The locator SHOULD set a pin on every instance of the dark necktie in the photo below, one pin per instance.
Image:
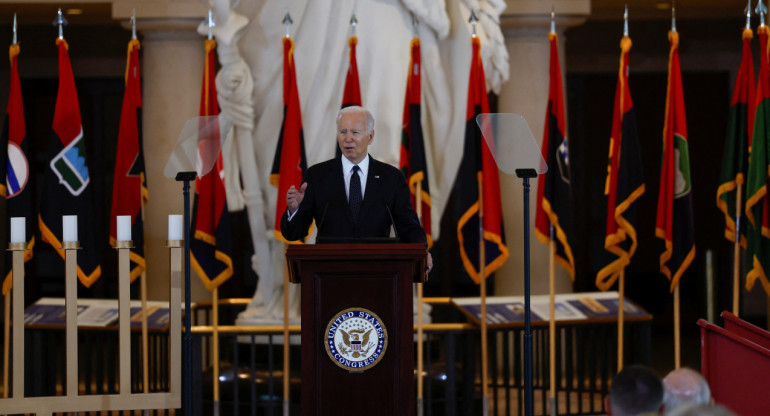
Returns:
(355, 194)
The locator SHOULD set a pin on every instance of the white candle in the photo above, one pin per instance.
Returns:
(69, 228)
(175, 227)
(124, 227)
(18, 230)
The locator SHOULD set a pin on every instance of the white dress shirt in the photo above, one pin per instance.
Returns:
(347, 171)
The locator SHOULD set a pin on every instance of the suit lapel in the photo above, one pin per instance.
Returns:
(373, 183)
(340, 193)
(339, 182)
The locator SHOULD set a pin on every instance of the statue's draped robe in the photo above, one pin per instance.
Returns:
(320, 32)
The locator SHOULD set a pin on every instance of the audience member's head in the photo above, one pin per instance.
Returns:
(693, 409)
(635, 390)
(685, 385)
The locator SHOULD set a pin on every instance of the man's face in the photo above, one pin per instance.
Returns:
(352, 137)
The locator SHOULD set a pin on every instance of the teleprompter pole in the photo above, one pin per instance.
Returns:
(525, 174)
(186, 177)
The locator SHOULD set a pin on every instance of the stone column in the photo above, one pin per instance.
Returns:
(172, 57)
(526, 24)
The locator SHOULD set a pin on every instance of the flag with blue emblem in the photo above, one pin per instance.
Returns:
(14, 166)
(67, 187)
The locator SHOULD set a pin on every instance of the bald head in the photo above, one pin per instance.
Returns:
(685, 385)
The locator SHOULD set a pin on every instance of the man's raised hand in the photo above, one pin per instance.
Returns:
(294, 197)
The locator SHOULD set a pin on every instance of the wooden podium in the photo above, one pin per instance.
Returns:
(357, 314)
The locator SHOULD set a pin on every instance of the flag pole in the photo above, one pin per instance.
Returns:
(142, 278)
(552, 321)
(420, 341)
(143, 296)
(621, 296)
(420, 346)
(214, 292)
(287, 22)
(285, 338)
(737, 251)
(215, 346)
(484, 341)
(677, 335)
(482, 277)
(6, 344)
(677, 329)
(552, 289)
(7, 310)
(622, 284)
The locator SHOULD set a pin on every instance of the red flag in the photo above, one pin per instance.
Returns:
(553, 188)
(478, 183)
(14, 167)
(352, 94)
(675, 219)
(289, 163)
(129, 189)
(413, 163)
(211, 245)
(67, 188)
(625, 180)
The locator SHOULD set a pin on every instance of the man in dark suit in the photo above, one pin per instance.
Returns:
(353, 196)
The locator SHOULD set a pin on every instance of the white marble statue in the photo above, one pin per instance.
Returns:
(248, 35)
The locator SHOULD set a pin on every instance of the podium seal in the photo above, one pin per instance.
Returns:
(356, 339)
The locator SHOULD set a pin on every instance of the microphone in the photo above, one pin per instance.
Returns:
(393, 223)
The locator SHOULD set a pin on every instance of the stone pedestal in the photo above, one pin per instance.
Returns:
(172, 70)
